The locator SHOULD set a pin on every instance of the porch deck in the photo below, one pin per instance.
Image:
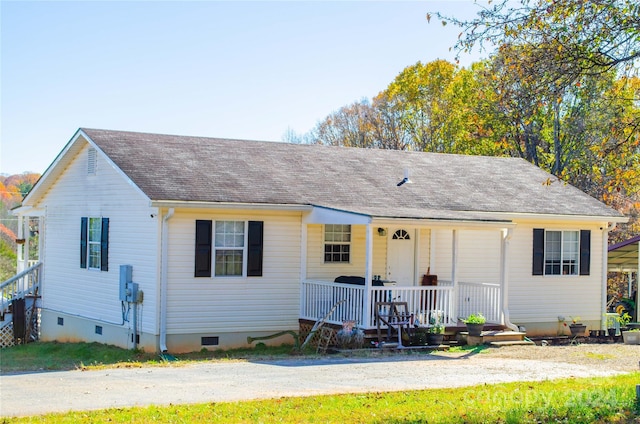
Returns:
(448, 301)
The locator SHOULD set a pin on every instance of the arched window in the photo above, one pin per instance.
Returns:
(401, 235)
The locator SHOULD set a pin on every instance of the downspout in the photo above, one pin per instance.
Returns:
(454, 273)
(504, 278)
(164, 269)
(605, 270)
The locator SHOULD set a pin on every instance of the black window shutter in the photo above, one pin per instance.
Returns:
(104, 245)
(84, 223)
(585, 252)
(538, 251)
(254, 252)
(203, 248)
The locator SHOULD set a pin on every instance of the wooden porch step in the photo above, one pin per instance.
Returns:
(513, 343)
(493, 336)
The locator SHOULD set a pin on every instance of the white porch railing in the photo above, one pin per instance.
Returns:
(23, 284)
(421, 301)
(479, 297)
(318, 297)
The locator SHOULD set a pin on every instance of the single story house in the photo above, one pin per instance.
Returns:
(175, 243)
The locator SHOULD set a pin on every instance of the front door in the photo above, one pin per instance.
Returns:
(400, 257)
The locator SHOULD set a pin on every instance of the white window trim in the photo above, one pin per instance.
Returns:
(90, 243)
(244, 249)
(325, 242)
(577, 264)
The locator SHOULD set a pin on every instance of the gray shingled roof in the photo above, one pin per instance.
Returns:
(183, 168)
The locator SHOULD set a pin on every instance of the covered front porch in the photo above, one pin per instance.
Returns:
(358, 303)
(396, 260)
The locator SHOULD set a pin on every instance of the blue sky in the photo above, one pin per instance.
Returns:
(246, 70)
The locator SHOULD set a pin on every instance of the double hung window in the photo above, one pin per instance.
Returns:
(557, 252)
(337, 243)
(561, 252)
(94, 243)
(234, 248)
(229, 247)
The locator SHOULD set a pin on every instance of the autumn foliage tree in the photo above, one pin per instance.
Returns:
(565, 40)
(12, 189)
(580, 60)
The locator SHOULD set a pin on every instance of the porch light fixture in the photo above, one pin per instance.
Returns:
(382, 232)
(406, 179)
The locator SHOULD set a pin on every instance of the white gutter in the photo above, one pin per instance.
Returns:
(605, 270)
(164, 269)
(228, 205)
(441, 223)
(553, 217)
(504, 277)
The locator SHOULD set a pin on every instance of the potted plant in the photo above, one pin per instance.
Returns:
(624, 320)
(577, 328)
(475, 324)
(631, 336)
(435, 335)
(611, 325)
(419, 336)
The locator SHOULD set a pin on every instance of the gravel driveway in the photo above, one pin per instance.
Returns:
(39, 393)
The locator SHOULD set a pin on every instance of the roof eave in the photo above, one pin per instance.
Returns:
(57, 167)
(188, 204)
(43, 181)
(557, 217)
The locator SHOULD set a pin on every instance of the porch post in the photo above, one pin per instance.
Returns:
(41, 232)
(454, 273)
(604, 276)
(20, 265)
(637, 299)
(368, 274)
(303, 267)
(26, 234)
(630, 284)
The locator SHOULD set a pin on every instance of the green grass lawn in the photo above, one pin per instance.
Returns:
(53, 356)
(590, 400)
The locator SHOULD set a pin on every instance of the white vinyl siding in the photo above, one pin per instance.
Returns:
(240, 304)
(535, 299)
(424, 253)
(317, 269)
(478, 255)
(132, 240)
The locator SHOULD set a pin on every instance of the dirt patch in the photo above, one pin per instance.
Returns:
(618, 357)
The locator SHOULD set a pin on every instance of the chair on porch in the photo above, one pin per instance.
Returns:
(396, 316)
